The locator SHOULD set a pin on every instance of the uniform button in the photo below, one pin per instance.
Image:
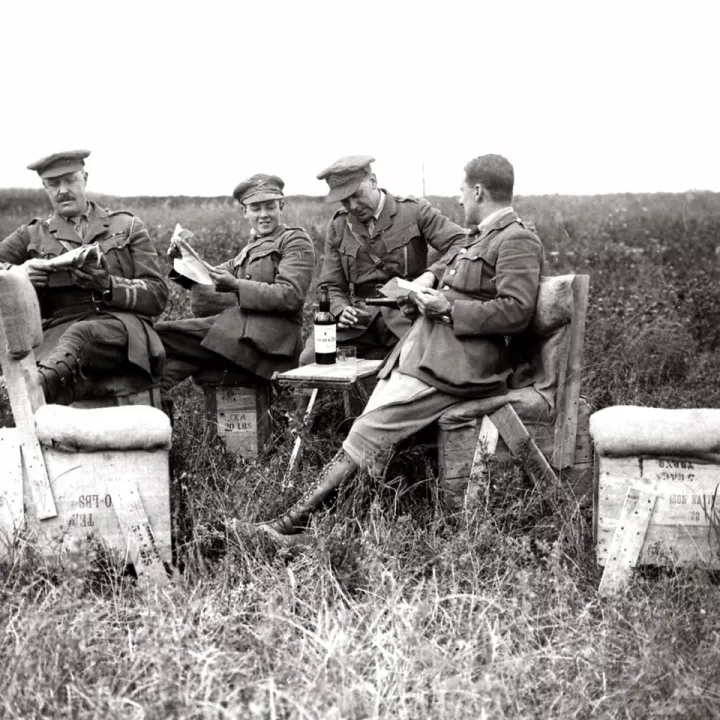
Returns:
(463, 250)
(248, 276)
(452, 272)
(447, 287)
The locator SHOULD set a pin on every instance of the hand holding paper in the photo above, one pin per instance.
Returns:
(186, 261)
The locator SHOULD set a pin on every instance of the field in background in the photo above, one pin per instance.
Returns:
(400, 611)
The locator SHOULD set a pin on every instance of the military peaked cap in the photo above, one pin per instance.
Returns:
(259, 188)
(345, 175)
(59, 163)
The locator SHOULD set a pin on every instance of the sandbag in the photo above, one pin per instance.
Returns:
(628, 430)
(130, 427)
(19, 313)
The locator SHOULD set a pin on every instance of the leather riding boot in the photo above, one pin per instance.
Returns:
(334, 474)
(59, 379)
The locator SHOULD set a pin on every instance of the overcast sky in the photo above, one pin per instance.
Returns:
(190, 98)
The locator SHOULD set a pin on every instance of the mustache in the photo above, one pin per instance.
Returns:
(64, 198)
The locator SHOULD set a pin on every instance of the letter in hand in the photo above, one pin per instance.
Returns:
(224, 280)
(92, 276)
(38, 270)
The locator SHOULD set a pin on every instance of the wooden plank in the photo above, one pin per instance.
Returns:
(487, 443)
(307, 419)
(685, 525)
(143, 397)
(26, 397)
(85, 487)
(458, 445)
(239, 416)
(142, 547)
(315, 375)
(568, 395)
(521, 445)
(629, 536)
(12, 514)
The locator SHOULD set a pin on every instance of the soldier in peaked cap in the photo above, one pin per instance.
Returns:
(374, 237)
(456, 349)
(97, 320)
(252, 317)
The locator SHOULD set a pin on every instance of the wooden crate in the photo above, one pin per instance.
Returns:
(684, 522)
(456, 449)
(239, 416)
(96, 496)
(150, 397)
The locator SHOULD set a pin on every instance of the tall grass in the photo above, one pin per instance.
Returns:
(398, 608)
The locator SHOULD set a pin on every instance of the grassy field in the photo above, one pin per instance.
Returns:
(397, 610)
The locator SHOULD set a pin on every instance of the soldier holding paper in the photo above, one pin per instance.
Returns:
(456, 348)
(256, 326)
(375, 236)
(98, 281)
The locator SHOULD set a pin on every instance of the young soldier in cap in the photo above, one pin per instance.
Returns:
(97, 319)
(374, 237)
(456, 348)
(266, 285)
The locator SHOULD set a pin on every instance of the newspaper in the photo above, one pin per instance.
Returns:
(186, 261)
(83, 256)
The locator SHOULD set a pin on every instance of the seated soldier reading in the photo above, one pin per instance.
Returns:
(260, 329)
(98, 280)
(456, 348)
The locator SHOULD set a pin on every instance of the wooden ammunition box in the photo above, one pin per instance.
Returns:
(456, 449)
(97, 496)
(677, 518)
(239, 416)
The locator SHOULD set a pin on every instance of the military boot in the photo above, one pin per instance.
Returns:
(332, 476)
(59, 379)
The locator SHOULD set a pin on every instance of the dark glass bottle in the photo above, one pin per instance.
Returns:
(325, 331)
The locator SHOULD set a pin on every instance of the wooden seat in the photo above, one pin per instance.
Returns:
(120, 390)
(544, 424)
(237, 410)
(76, 476)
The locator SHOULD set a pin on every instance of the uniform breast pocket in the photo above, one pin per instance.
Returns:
(263, 266)
(116, 250)
(476, 272)
(406, 251)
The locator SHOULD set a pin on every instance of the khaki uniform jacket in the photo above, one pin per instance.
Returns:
(262, 331)
(400, 240)
(139, 291)
(493, 282)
